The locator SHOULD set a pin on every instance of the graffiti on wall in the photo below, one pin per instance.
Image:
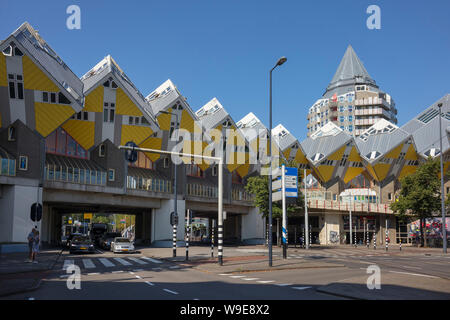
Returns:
(432, 227)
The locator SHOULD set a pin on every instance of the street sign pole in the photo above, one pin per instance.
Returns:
(283, 199)
(306, 214)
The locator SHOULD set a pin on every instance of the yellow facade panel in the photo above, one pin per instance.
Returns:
(152, 143)
(35, 79)
(300, 158)
(187, 122)
(381, 169)
(354, 156)
(326, 172)
(406, 171)
(352, 173)
(394, 153)
(50, 116)
(164, 120)
(82, 131)
(337, 156)
(372, 172)
(94, 100)
(411, 154)
(3, 76)
(134, 133)
(243, 170)
(125, 106)
(287, 153)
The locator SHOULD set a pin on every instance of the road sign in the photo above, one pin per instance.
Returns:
(290, 184)
(276, 196)
(88, 216)
(36, 212)
(173, 218)
(131, 155)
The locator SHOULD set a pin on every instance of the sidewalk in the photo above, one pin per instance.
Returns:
(18, 275)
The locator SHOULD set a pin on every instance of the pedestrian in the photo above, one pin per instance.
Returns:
(36, 242)
(30, 239)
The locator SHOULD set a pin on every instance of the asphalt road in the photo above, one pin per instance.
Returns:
(105, 275)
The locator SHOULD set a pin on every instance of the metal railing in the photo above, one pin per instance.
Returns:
(200, 190)
(149, 184)
(356, 207)
(239, 194)
(8, 167)
(55, 172)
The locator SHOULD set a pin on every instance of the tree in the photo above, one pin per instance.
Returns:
(259, 187)
(420, 195)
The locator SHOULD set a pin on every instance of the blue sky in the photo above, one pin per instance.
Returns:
(225, 49)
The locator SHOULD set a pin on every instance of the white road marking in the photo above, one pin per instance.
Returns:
(409, 267)
(266, 281)
(123, 261)
(283, 284)
(250, 279)
(93, 273)
(235, 277)
(149, 283)
(67, 263)
(138, 277)
(174, 267)
(414, 274)
(301, 288)
(131, 272)
(137, 260)
(224, 274)
(151, 259)
(64, 276)
(120, 271)
(88, 264)
(170, 291)
(106, 262)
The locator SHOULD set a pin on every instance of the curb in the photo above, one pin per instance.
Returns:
(38, 282)
(278, 269)
(339, 295)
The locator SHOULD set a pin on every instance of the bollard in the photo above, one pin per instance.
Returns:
(174, 241)
(303, 241)
(310, 238)
(386, 241)
(187, 241)
(400, 244)
(367, 239)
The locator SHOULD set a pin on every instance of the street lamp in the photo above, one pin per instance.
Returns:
(279, 63)
(174, 226)
(444, 230)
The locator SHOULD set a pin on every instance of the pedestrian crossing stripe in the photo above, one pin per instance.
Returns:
(109, 262)
(88, 264)
(122, 261)
(137, 260)
(106, 262)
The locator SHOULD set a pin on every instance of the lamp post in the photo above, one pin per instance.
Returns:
(175, 207)
(279, 63)
(444, 229)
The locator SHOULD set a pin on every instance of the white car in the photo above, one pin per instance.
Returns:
(122, 245)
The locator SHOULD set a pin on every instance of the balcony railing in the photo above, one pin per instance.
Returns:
(239, 194)
(200, 190)
(8, 167)
(371, 101)
(55, 172)
(149, 184)
(374, 111)
(345, 206)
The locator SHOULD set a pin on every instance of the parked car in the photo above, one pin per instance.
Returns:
(81, 244)
(107, 238)
(122, 245)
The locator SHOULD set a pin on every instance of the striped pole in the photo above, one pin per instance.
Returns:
(367, 235)
(400, 244)
(386, 240)
(212, 238)
(310, 240)
(374, 241)
(220, 214)
(355, 236)
(303, 241)
(188, 231)
(174, 240)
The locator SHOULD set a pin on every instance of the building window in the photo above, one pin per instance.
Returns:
(214, 171)
(194, 171)
(11, 134)
(23, 163)
(389, 196)
(142, 161)
(108, 112)
(102, 151)
(342, 118)
(59, 142)
(350, 128)
(15, 86)
(236, 178)
(166, 163)
(111, 175)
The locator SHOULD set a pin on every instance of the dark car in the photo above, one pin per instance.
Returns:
(107, 238)
(70, 237)
(81, 244)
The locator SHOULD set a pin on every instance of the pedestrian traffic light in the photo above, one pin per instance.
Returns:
(131, 155)
(173, 218)
(36, 212)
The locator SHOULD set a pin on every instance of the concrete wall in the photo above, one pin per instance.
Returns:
(15, 222)
(253, 227)
(330, 223)
(161, 227)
